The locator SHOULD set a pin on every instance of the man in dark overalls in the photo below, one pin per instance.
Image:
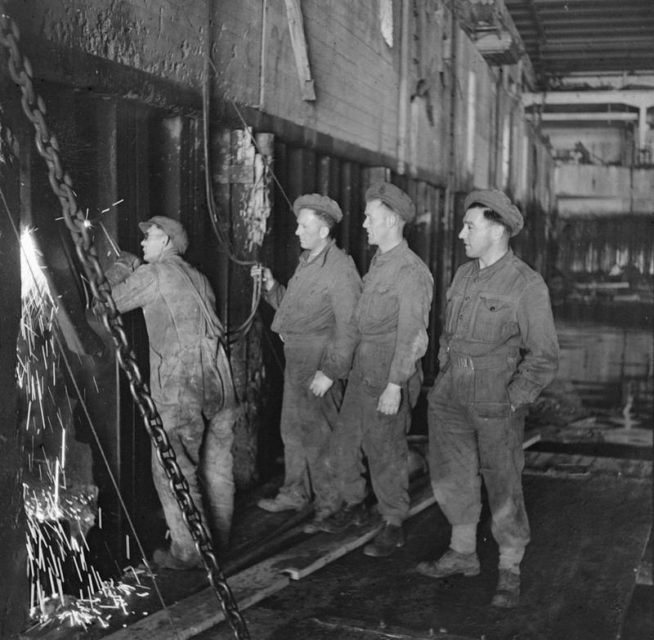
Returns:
(190, 382)
(497, 352)
(314, 318)
(383, 386)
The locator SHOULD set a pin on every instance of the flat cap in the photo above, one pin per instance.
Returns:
(394, 198)
(499, 202)
(317, 202)
(172, 228)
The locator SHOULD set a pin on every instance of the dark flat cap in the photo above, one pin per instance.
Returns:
(172, 228)
(394, 198)
(499, 202)
(316, 202)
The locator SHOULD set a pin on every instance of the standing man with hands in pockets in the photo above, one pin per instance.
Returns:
(497, 352)
(314, 319)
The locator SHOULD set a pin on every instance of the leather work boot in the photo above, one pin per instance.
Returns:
(164, 559)
(281, 502)
(449, 564)
(317, 523)
(507, 594)
(346, 516)
(389, 538)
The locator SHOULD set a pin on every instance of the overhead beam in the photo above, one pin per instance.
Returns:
(603, 116)
(601, 45)
(588, 67)
(591, 26)
(644, 59)
(633, 97)
(575, 5)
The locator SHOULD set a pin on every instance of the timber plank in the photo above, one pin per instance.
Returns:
(324, 548)
(565, 465)
(201, 611)
(577, 575)
(264, 622)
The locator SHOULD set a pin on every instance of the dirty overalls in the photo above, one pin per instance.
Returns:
(314, 318)
(187, 389)
(498, 351)
(392, 317)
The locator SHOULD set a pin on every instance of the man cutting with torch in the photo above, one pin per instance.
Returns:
(189, 381)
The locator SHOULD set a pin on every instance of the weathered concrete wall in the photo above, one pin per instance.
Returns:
(586, 189)
(164, 38)
(387, 96)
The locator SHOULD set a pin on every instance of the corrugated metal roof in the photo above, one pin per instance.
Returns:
(564, 37)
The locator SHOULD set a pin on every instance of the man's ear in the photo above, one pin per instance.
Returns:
(498, 230)
(324, 231)
(393, 220)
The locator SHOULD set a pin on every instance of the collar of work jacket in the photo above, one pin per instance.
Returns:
(488, 272)
(320, 259)
(381, 258)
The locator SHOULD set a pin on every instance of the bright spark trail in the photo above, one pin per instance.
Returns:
(65, 588)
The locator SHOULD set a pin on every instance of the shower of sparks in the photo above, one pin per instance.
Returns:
(65, 588)
(33, 283)
(52, 548)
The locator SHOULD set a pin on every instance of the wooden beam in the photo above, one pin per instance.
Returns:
(565, 465)
(299, 44)
(633, 97)
(590, 116)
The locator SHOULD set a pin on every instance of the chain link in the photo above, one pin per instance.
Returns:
(33, 105)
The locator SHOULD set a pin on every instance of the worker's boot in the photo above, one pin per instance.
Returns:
(317, 523)
(507, 594)
(389, 538)
(282, 502)
(449, 564)
(348, 515)
(164, 559)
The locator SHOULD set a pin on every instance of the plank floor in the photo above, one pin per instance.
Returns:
(590, 521)
(588, 536)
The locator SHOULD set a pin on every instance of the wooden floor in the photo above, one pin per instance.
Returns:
(588, 536)
(590, 518)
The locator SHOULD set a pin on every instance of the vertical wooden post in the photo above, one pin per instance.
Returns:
(403, 90)
(244, 195)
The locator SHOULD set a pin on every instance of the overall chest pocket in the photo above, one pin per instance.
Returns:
(380, 306)
(494, 319)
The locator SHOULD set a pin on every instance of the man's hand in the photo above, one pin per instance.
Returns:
(389, 401)
(259, 271)
(126, 263)
(129, 260)
(320, 384)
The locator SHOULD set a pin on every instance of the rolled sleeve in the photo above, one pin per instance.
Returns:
(275, 296)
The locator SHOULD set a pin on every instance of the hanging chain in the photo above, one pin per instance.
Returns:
(33, 105)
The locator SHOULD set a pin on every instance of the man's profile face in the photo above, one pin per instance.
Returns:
(154, 243)
(478, 233)
(310, 230)
(375, 222)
